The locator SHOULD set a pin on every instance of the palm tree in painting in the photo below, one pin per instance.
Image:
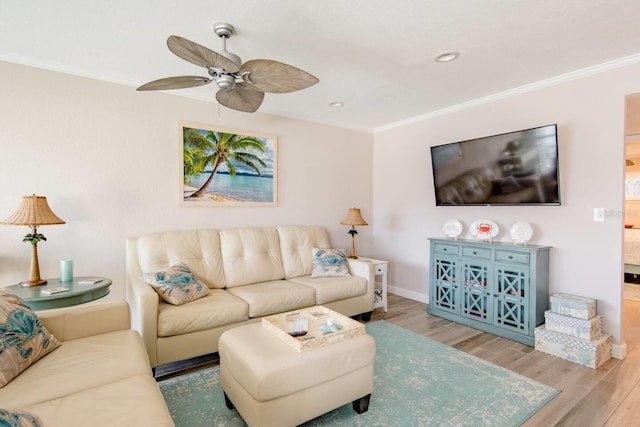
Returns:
(230, 149)
(193, 150)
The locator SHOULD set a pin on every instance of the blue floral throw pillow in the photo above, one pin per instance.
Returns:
(329, 263)
(176, 285)
(23, 337)
(18, 419)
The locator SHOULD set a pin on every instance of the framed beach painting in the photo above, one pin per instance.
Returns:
(227, 167)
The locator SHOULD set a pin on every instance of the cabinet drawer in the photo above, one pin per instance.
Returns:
(476, 252)
(509, 256)
(443, 248)
(381, 268)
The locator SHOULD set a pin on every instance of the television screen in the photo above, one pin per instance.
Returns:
(516, 168)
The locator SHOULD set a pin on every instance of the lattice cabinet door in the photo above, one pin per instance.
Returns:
(444, 292)
(511, 298)
(476, 291)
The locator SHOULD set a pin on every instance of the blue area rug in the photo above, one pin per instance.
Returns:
(418, 382)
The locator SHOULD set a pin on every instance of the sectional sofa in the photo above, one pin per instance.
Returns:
(249, 272)
(99, 375)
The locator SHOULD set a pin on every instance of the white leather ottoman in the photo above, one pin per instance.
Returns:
(272, 384)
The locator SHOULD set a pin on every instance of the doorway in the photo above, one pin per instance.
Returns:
(632, 199)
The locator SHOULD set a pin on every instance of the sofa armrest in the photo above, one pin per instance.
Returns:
(364, 269)
(143, 303)
(72, 323)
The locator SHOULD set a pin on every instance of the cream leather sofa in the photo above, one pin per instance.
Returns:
(99, 376)
(251, 273)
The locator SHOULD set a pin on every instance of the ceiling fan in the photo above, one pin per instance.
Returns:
(241, 85)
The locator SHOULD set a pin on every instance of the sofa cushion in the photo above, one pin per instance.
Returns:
(199, 250)
(176, 285)
(275, 296)
(118, 355)
(250, 255)
(329, 263)
(18, 419)
(133, 401)
(331, 289)
(23, 337)
(220, 308)
(296, 243)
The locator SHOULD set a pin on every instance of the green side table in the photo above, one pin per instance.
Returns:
(78, 293)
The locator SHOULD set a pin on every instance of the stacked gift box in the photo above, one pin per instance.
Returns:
(573, 331)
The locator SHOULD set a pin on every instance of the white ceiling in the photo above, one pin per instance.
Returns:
(375, 55)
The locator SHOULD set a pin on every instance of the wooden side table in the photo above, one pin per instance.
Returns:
(380, 270)
(78, 293)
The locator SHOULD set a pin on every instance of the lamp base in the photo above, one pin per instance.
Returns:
(352, 257)
(30, 283)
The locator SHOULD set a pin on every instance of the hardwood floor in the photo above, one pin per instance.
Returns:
(608, 396)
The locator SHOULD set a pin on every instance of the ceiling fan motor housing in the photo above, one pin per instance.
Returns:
(226, 81)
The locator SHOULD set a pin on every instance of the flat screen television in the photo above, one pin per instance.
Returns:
(510, 169)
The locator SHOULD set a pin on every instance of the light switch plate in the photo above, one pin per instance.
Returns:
(598, 214)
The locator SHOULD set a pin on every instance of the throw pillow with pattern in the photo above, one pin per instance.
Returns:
(329, 263)
(19, 419)
(23, 337)
(176, 284)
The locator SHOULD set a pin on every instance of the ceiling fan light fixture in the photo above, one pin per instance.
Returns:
(336, 104)
(447, 56)
(226, 81)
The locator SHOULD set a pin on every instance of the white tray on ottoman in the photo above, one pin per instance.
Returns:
(270, 382)
(317, 334)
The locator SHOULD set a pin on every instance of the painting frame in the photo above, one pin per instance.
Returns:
(246, 168)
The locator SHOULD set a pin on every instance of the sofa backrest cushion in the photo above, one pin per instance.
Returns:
(296, 243)
(250, 255)
(199, 250)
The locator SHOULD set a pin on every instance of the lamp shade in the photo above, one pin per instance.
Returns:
(33, 210)
(354, 218)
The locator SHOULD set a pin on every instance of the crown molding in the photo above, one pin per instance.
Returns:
(563, 78)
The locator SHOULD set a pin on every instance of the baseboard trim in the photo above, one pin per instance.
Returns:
(619, 351)
(416, 296)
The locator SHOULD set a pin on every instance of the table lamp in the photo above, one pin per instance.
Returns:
(32, 212)
(353, 218)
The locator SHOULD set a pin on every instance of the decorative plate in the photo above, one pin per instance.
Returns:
(521, 232)
(452, 228)
(484, 229)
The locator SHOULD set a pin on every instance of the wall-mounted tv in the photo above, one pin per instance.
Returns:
(515, 168)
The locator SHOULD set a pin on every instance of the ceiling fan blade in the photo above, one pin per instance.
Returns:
(200, 55)
(242, 98)
(276, 77)
(181, 82)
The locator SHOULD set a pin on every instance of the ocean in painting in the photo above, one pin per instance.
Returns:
(248, 188)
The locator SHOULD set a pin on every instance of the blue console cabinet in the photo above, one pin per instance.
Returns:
(500, 288)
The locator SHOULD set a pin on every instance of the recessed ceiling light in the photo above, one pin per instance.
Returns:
(336, 104)
(446, 56)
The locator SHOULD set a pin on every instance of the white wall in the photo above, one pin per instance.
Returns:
(106, 158)
(586, 258)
